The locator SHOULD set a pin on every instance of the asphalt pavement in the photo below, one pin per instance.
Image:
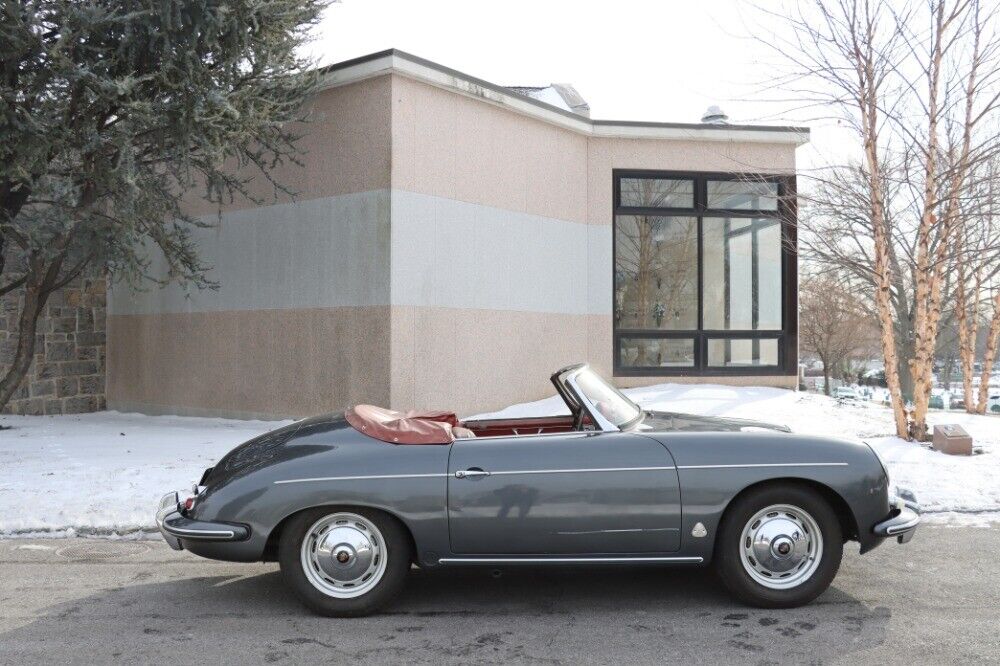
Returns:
(932, 601)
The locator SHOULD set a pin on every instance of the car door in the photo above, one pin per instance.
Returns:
(579, 493)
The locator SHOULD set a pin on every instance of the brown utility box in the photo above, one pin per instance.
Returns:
(952, 439)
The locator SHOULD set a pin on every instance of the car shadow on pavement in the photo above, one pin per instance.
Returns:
(591, 615)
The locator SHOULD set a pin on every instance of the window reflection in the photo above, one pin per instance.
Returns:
(656, 272)
(657, 193)
(653, 353)
(742, 274)
(742, 195)
(732, 353)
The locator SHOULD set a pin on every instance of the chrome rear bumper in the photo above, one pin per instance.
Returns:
(902, 523)
(174, 525)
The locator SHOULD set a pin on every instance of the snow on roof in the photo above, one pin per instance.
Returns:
(560, 95)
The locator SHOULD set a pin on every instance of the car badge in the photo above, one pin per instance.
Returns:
(699, 530)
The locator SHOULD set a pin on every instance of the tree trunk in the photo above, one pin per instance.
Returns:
(12, 199)
(919, 362)
(883, 273)
(34, 301)
(947, 371)
(882, 297)
(968, 331)
(962, 323)
(904, 345)
(989, 357)
(40, 281)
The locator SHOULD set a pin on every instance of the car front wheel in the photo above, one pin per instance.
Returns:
(344, 563)
(778, 547)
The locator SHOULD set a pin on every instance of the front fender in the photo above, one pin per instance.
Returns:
(714, 468)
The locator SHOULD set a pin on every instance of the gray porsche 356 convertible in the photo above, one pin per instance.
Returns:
(346, 503)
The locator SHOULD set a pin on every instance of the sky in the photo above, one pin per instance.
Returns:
(664, 60)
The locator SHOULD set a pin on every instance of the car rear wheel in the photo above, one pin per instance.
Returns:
(344, 562)
(778, 547)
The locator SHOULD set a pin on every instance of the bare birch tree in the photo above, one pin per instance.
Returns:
(976, 267)
(916, 82)
(834, 325)
(979, 248)
(990, 354)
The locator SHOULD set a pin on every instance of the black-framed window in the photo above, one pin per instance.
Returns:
(704, 274)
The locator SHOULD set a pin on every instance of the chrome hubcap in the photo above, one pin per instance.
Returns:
(343, 555)
(781, 546)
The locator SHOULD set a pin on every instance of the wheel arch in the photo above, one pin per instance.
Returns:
(845, 516)
(274, 536)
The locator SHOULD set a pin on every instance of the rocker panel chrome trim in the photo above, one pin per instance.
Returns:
(563, 560)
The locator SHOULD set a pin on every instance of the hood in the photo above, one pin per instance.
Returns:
(676, 422)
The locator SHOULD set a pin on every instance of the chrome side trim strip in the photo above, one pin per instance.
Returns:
(512, 472)
(363, 478)
(501, 473)
(570, 471)
(562, 560)
(814, 464)
(631, 529)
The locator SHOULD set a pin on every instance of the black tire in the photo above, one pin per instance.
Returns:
(730, 539)
(397, 552)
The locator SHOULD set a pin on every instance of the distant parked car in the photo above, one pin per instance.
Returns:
(936, 402)
(993, 403)
(845, 393)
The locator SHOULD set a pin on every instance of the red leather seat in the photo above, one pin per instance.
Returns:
(413, 427)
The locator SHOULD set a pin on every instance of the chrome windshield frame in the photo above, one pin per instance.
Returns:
(569, 376)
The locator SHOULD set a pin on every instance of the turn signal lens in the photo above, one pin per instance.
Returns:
(189, 503)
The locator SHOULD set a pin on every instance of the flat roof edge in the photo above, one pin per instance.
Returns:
(401, 62)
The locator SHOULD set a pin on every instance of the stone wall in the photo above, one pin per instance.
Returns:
(67, 375)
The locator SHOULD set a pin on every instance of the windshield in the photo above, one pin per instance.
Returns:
(608, 400)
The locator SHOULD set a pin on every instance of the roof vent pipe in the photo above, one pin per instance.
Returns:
(714, 116)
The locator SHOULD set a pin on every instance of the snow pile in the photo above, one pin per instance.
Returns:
(104, 472)
(967, 488)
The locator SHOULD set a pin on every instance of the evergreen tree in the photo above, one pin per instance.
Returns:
(113, 111)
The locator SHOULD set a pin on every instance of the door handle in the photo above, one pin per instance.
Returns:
(471, 473)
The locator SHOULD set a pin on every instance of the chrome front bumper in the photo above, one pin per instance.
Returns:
(903, 522)
(174, 525)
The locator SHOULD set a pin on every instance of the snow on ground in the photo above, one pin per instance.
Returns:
(964, 490)
(103, 473)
